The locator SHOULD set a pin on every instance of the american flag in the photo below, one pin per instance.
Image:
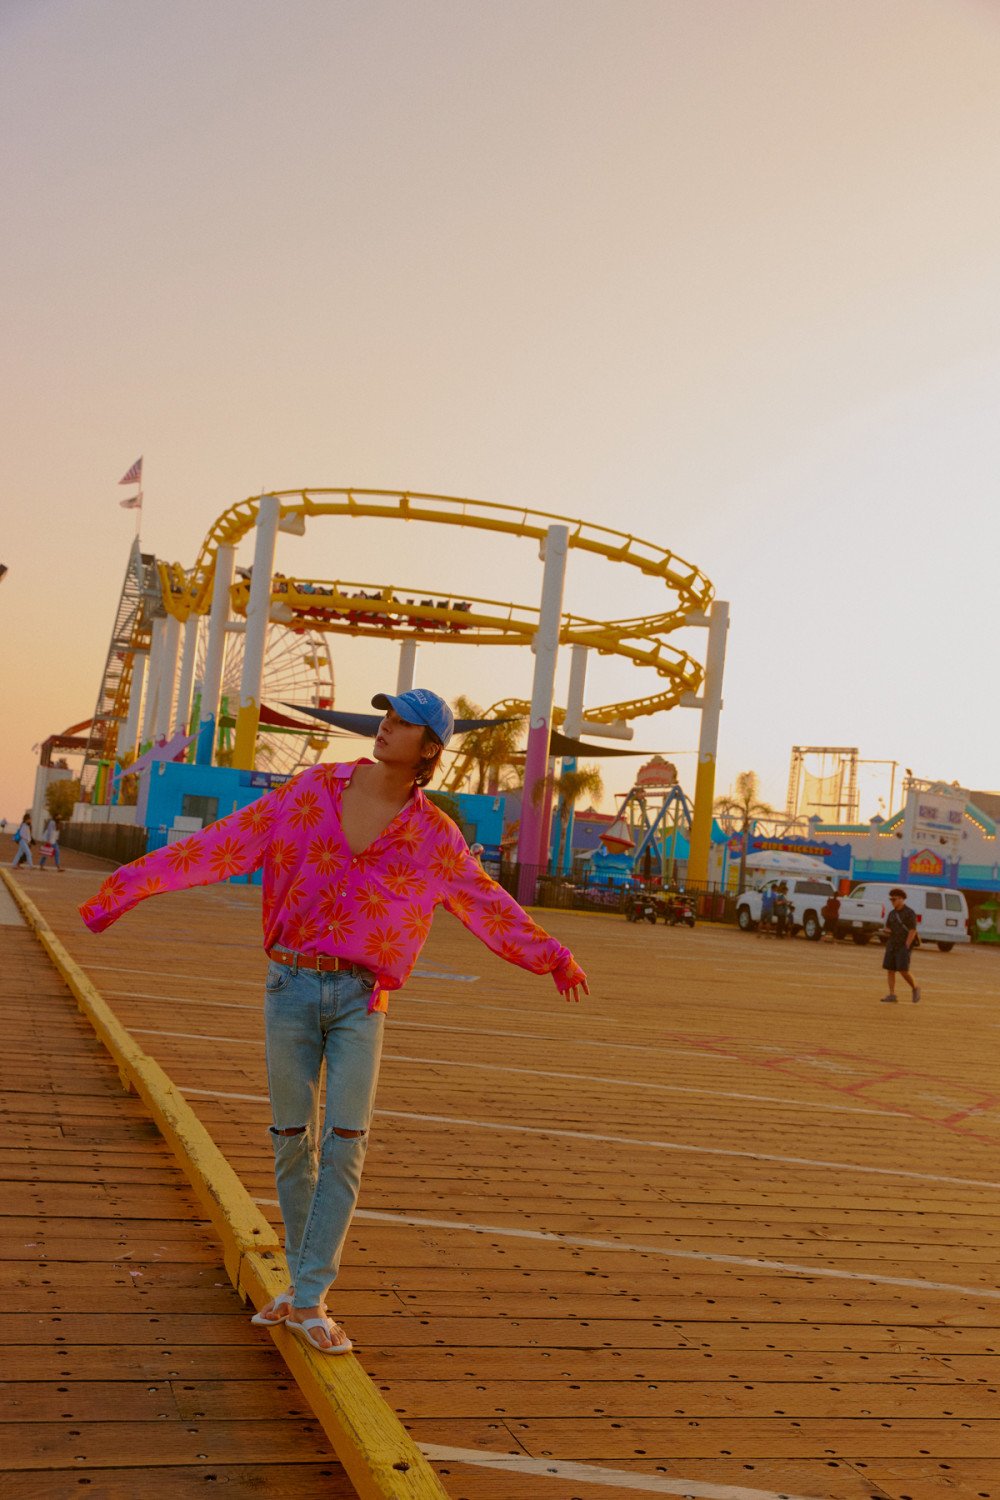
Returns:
(134, 475)
(134, 502)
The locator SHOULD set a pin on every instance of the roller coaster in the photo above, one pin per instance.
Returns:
(317, 608)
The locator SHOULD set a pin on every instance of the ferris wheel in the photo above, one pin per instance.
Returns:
(298, 668)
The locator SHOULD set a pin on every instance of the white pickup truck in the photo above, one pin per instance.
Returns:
(862, 914)
(807, 896)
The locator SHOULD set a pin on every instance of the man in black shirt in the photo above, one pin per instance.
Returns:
(901, 924)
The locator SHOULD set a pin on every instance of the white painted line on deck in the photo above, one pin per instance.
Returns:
(710, 1257)
(625, 1083)
(692, 1052)
(615, 1479)
(629, 1140)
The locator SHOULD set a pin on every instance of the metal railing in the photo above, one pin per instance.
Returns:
(120, 842)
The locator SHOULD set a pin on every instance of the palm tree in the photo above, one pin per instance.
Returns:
(739, 809)
(493, 751)
(569, 787)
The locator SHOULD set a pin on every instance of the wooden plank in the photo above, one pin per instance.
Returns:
(299, 1479)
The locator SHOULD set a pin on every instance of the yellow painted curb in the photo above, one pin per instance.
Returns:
(381, 1459)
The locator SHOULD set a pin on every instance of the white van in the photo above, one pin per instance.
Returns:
(942, 914)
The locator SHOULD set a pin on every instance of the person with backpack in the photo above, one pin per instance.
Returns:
(22, 839)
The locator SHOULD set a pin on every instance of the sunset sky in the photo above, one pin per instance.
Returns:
(721, 273)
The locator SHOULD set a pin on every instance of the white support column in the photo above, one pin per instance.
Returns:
(708, 744)
(153, 682)
(225, 563)
(572, 724)
(183, 709)
(546, 649)
(168, 677)
(255, 640)
(130, 733)
(406, 676)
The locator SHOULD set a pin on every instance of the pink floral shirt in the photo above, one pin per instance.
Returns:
(374, 908)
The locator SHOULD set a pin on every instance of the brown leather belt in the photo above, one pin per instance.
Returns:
(323, 962)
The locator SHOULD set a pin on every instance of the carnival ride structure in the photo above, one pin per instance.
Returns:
(211, 605)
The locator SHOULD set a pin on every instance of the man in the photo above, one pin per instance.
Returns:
(766, 910)
(831, 916)
(356, 860)
(782, 910)
(901, 925)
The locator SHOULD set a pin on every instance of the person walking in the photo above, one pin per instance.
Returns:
(50, 845)
(901, 924)
(766, 910)
(22, 839)
(782, 911)
(831, 917)
(355, 861)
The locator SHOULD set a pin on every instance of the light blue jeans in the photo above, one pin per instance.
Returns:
(312, 1019)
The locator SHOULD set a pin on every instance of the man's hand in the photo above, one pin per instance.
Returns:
(572, 983)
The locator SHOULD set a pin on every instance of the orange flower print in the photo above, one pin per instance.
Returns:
(407, 838)
(306, 811)
(446, 861)
(370, 857)
(226, 859)
(296, 891)
(512, 952)
(151, 886)
(256, 818)
(302, 930)
(372, 902)
(282, 855)
(91, 909)
(326, 855)
(403, 880)
(484, 882)
(384, 946)
(183, 856)
(497, 919)
(460, 905)
(111, 891)
(335, 917)
(417, 922)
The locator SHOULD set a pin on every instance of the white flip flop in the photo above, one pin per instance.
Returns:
(302, 1330)
(284, 1300)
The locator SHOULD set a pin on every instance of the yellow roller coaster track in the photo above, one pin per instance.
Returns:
(399, 613)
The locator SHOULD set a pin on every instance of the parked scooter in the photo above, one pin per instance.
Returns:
(677, 910)
(640, 908)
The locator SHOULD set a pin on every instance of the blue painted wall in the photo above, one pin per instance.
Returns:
(171, 781)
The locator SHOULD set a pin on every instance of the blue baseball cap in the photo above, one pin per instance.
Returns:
(420, 706)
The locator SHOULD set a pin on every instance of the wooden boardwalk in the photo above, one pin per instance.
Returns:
(729, 1228)
(129, 1364)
